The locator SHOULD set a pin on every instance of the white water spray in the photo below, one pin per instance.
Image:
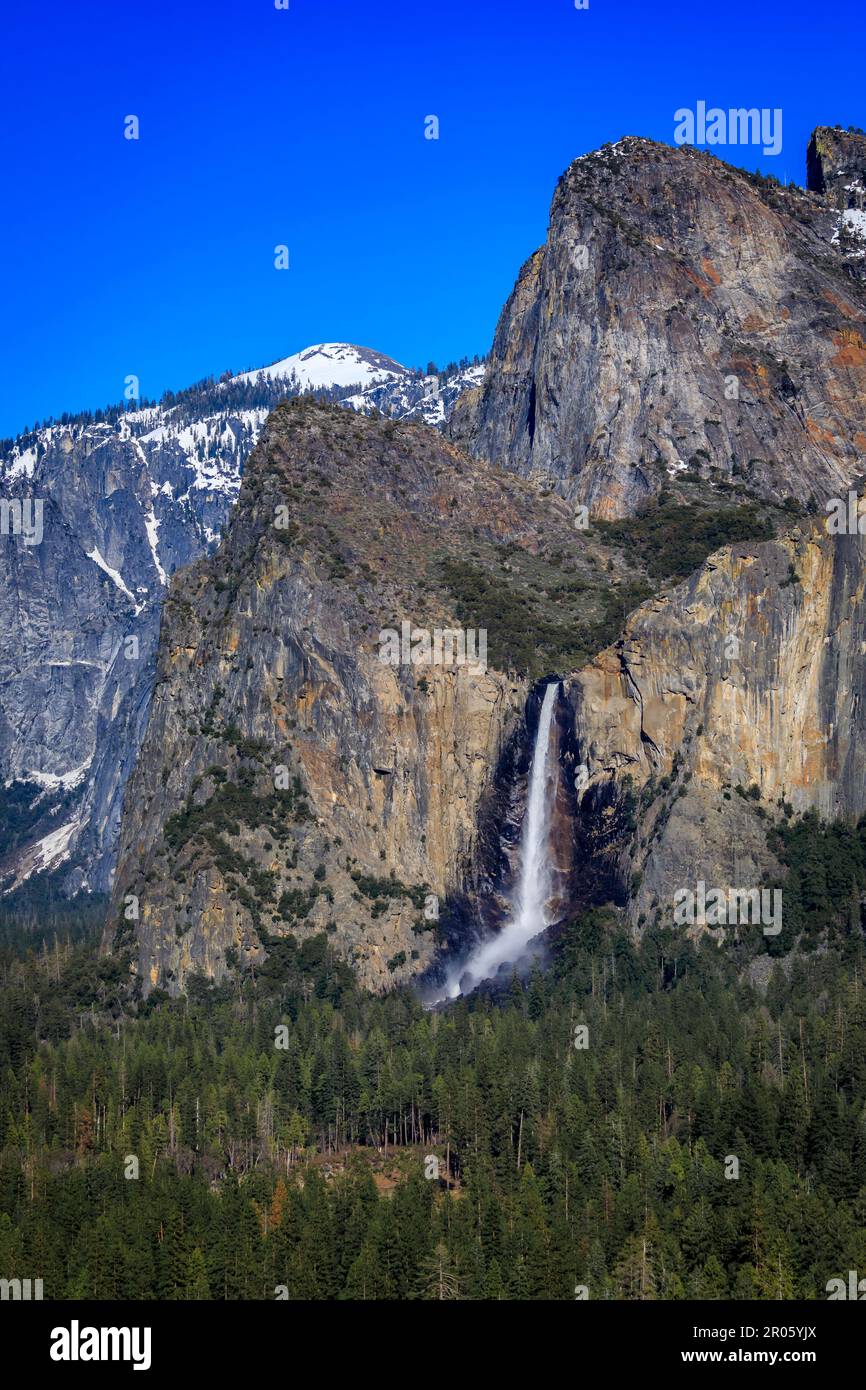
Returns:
(529, 916)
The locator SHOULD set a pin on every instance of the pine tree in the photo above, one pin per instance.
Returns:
(197, 1287)
(439, 1279)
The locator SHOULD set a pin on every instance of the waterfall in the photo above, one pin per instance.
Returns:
(529, 910)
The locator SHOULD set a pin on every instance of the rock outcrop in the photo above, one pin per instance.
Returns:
(741, 692)
(683, 317)
(80, 608)
(836, 165)
(291, 781)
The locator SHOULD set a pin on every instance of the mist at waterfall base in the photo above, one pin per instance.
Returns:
(529, 907)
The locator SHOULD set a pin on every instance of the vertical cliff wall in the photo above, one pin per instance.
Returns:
(682, 317)
(750, 676)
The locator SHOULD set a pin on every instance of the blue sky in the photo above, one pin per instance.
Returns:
(305, 127)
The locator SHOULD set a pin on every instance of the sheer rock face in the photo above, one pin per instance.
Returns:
(80, 611)
(836, 166)
(680, 315)
(750, 674)
(270, 659)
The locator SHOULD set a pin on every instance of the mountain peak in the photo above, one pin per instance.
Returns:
(331, 364)
(660, 339)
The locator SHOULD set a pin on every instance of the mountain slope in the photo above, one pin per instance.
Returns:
(270, 659)
(128, 500)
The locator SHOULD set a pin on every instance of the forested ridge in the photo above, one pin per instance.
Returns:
(305, 1170)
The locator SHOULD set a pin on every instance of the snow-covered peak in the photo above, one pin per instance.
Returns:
(331, 364)
(194, 442)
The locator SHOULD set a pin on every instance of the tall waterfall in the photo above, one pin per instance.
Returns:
(529, 914)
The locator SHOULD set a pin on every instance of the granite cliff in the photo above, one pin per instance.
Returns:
(728, 704)
(270, 661)
(682, 316)
(631, 502)
(291, 780)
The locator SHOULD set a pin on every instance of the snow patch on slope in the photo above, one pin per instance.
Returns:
(853, 221)
(151, 526)
(54, 781)
(53, 848)
(113, 575)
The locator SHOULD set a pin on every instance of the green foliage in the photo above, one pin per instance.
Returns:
(296, 903)
(825, 884)
(673, 540)
(379, 890)
(553, 612)
(234, 804)
(28, 811)
(526, 632)
(38, 914)
(601, 1165)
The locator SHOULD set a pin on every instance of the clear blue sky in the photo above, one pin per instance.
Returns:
(306, 127)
